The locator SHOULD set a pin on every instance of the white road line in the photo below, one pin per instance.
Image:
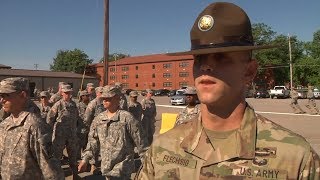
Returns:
(261, 112)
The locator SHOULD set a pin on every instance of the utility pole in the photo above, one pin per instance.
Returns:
(36, 66)
(290, 62)
(106, 42)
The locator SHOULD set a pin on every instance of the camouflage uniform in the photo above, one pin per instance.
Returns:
(148, 119)
(29, 107)
(25, 149)
(115, 139)
(259, 149)
(311, 105)
(80, 125)
(135, 109)
(294, 102)
(44, 111)
(123, 102)
(94, 108)
(184, 115)
(63, 118)
(55, 98)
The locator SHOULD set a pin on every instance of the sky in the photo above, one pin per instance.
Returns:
(32, 31)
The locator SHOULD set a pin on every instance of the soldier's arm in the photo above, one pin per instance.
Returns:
(137, 134)
(146, 171)
(52, 114)
(89, 115)
(92, 150)
(41, 148)
(143, 104)
(312, 167)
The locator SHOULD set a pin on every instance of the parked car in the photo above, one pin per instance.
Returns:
(261, 93)
(179, 98)
(172, 93)
(161, 92)
(316, 93)
(280, 92)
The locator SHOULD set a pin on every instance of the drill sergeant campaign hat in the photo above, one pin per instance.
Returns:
(110, 91)
(221, 27)
(16, 84)
(66, 88)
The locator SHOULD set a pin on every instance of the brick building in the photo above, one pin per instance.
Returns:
(158, 71)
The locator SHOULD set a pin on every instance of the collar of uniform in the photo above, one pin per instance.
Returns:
(197, 144)
(113, 118)
(17, 121)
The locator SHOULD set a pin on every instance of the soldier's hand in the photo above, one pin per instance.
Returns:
(82, 167)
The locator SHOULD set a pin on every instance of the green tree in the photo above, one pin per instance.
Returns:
(70, 61)
(115, 56)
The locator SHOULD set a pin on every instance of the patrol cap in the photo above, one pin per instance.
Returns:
(133, 94)
(83, 93)
(119, 84)
(66, 88)
(190, 90)
(221, 27)
(62, 83)
(90, 85)
(10, 85)
(110, 91)
(44, 94)
(99, 89)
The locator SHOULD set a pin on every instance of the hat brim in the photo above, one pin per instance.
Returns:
(6, 91)
(221, 50)
(67, 91)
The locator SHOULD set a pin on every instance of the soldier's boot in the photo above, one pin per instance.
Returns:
(300, 109)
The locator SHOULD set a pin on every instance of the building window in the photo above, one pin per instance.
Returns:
(112, 69)
(153, 66)
(181, 84)
(137, 85)
(125, 68)
(167, 84)
(153, 84)
(125, 76)
(166, 75)
(137, 67)
(168, 65)
(184, 64)
(153, 75)
(137, 76)
(112, 77)
(125, 85)
(183, 74)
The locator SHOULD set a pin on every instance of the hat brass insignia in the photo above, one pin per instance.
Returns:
(205, 23)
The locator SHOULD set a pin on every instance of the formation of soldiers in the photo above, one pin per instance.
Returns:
(101, 129)
(311, 104)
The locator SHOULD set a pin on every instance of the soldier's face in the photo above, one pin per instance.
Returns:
(133, 98)
(66, 95)
(221, 78)
(44, 99)
(111, 102)
(191, 98)
(13, 102)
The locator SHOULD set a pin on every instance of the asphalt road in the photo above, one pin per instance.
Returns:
(277, 110)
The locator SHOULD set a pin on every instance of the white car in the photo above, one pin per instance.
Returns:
(179, 98)
(316, 93)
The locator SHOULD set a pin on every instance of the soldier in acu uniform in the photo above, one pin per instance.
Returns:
(29, 105)
(63, 118)
(123, 99)
(25, 140)
(311, 105)
(192, 110)
(44, 105)
(114, 133)
(82, 105)
(228, 140)
(91, 90)
(57, 96)
(135, 107)
(294, 102)
(149, 114)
